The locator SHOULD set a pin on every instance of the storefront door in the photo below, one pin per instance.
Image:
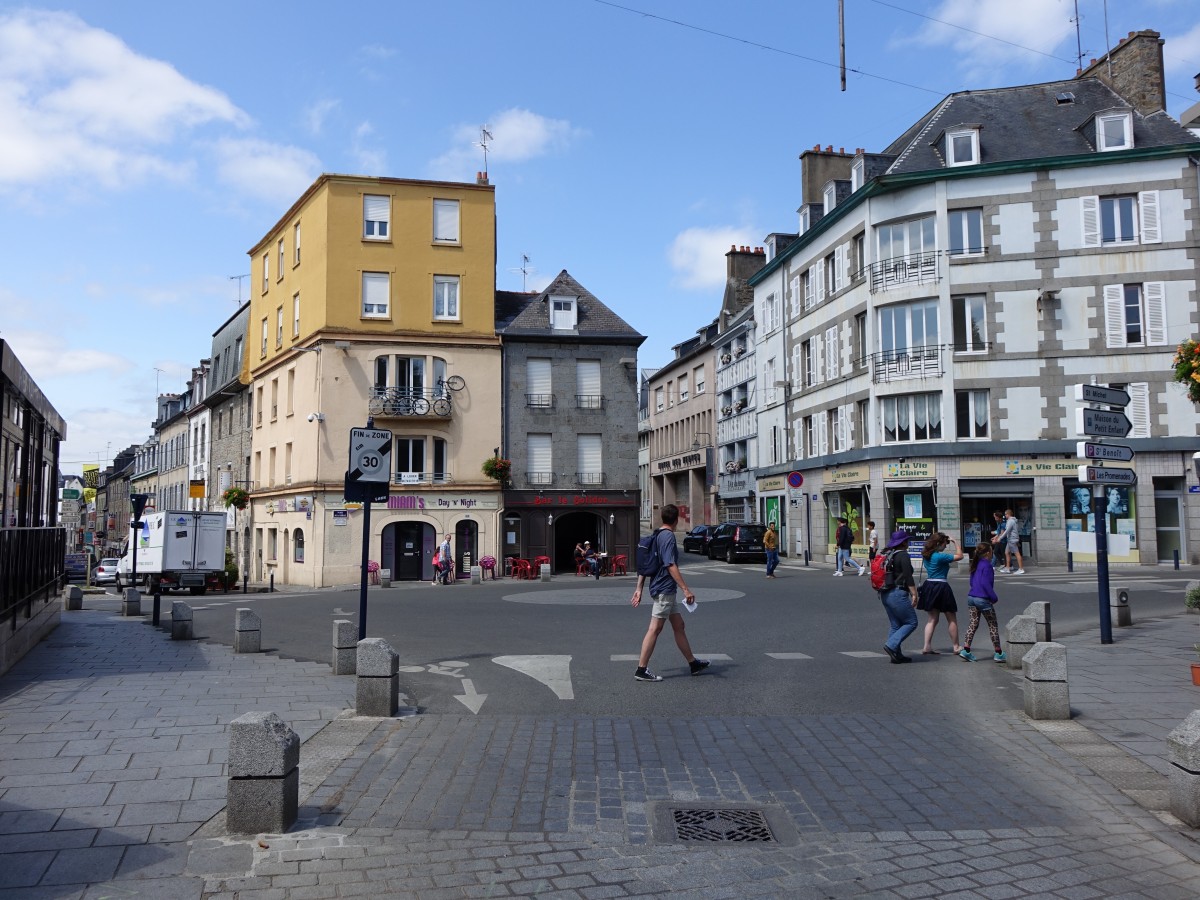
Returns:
(1168, 526)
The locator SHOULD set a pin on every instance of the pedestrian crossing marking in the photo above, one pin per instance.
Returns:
(861, 654)
(789, 656)
(633, 657)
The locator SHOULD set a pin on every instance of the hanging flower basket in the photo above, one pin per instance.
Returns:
(497, 468)
(1187, 368)
(236, 497)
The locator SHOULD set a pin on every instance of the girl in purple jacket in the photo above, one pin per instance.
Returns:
(980, 597)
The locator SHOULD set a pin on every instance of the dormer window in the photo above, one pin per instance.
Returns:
(857, 172)
(563, 313)
(962, 147)
(1114, 131)
(805, 222)
(830, 197)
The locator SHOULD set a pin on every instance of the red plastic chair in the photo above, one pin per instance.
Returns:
(618, 564)
(522, 569)
(583, 568)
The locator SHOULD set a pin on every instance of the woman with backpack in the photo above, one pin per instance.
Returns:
(898, 593)
(980, 598)
(936, 597)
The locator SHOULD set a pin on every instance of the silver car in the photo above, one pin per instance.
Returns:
(106, 572)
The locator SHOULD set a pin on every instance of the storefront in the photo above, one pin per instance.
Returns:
(988, 486)
(910, 492)
(848, 496)
(551, 523)
(735, 497)
(410, 527)
(1118, 505)
(774, 506)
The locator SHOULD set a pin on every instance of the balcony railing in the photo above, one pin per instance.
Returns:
(589, 401)
(539, 401)
(911, 362)
(916, 268)
(539, 478)
(390, 402)
(589, 477)
(421, 478)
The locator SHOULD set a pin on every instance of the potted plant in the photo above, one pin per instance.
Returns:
(739, 405)
(739, 351)
(1196, 667)
(1191, 599)
(497, 468)
(726, 410)
(726, 359)
(1187, 368)
(236, 497)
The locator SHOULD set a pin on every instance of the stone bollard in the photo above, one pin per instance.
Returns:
(264, 775)
(345, 646)
(1045, 686)
(545, 572)
(476, 574)
(247, 631)
(181, 621)
(1021, 635)
(385, 577)
(1118, 606)
(377, 690)
(1039, 610)
(73, 598)
(131, 602)
(1183, 752)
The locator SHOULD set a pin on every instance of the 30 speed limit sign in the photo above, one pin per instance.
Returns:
(370, 456)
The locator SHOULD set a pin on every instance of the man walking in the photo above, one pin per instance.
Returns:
(447, 563)
(662, 588)
(771, 545)
(1011, 536)
(844, 538)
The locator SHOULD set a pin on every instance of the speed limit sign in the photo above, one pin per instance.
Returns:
(370, 456)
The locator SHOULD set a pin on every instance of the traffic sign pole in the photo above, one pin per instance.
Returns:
(367, 480)
(1100, 514)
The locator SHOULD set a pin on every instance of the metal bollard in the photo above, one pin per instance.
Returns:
(271, 587)
(157, 606)
(1070, 561)
(1175, 553)
(246, 583)
(806, 557)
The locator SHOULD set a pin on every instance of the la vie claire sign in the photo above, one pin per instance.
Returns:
(998, 468)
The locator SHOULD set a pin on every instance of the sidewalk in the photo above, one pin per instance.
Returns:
(113, 741)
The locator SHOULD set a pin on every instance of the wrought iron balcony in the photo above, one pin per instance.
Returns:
(911, 362)
(394, 402)
(589, 477)
(589, 401)
(421, 478)
(539, 479)
(916, 268)
(539, 401)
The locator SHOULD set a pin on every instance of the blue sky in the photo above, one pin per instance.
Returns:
(147, 146)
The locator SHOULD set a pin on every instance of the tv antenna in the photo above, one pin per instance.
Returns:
(525, 269)
(1078, 40)
(238, 279)
(482, 143)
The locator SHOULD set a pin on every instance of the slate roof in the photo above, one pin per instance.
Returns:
(528, 315)
(1026, 122)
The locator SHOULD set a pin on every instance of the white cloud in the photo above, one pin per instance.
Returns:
(77, 102)
(271, 172)
(316, 114)
(518, 135)
(697, 255)
(45, 357)
(371, 160)
(1037, 24)
(1181, 52)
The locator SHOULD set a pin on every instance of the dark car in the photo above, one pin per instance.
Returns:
(696, 540)
(733, 541)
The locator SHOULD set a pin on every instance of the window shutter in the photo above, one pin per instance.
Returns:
(540, 459)
(839, 267)
(375, 293)
(819, 290)
(1139, 409)
(810, 285)
(1114, 315)
(1154, 293)
(445, 220)
(797, 366)
(822, 434)
(848, 426)
(589, 454)
(1148, 205)
(798, 437)
(818, 353)
(375, 208)
(1090, 215)
(795, 304)
(832, 362)
(538, 374)
(587, 372)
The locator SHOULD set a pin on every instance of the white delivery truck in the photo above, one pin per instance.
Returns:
(177, 549)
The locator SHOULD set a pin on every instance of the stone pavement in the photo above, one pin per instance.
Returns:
(113, 742)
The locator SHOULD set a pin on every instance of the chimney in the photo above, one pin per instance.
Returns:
(481, 178)
(1134, 69)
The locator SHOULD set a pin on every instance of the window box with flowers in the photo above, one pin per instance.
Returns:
(1187, 368)
(726, 359)
(497, 468)
(236, 497)
(738, 352)
(726, 410)
(739, 405)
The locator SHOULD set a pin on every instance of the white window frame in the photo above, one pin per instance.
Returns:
(963, 308)
(564, 315)
(266, 264)
(589, 456)
(539, 458)
(1102, 141)
(1146, 227)
(857, 174)
(698, 379)
(265, 332)
(904, 406)
(1152, 311)
(833, 352)
(959, 226)
(446, 221)
(446, 298)
(539, 381)
(829, 197)
(282, 260)
(683, 388)
(373, 283)
(659, 399)
(296, 314)
(296, 244)
(954, 145)
(278, 327)
(589, 384)
(377, 217)
(976, 400)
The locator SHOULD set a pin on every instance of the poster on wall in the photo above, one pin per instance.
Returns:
(1128, 527)
(972, 535)
(912, 506)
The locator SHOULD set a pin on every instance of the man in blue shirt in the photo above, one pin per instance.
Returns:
(662, 588)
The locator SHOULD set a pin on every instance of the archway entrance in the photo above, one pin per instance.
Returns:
(407, 549)
(574, 528)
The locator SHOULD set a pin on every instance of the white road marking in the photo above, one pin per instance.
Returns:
(470, 699)
(789, 656)
(552, 671)
(862, 654)
(627, 657)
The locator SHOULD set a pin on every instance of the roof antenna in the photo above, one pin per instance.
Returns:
(1078, 41)
(238, 279)
(525, 269)
(484, 137)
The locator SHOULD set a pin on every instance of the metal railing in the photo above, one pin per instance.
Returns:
(915, 268)
(911, 362)
(32, 562)
(421, 478)
(540, 401)
(404, 402)
(589, 401)
(539, 477)
(589, 477)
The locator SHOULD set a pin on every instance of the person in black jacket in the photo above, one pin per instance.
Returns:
(899, 596)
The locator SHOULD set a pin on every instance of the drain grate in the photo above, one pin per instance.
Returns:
(721, 825)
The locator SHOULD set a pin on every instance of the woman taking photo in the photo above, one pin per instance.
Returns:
(935, 595)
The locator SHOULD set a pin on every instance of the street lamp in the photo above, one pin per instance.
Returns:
(696, 445)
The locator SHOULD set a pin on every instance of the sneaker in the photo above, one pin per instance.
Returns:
(1003, 571)
(837, 574)
(862, 570)
(1000, 657)
(1018, 572)
(699, 665)
(645, 675)
(966, 654)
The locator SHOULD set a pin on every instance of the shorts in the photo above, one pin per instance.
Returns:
(666, 605)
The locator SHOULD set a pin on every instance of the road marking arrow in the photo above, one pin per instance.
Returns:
(552, 671)
(470, 699)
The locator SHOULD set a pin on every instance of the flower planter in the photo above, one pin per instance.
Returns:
(1196, 674)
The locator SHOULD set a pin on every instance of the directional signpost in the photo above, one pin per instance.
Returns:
(1103, 423)
(367, 481)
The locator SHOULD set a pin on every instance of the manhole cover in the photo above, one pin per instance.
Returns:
(721, 825)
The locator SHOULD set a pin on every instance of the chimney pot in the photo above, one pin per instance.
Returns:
(1093, 60)
(829, 149)
(842, 150)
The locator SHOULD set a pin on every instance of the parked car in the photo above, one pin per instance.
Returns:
(696, 540)
(106, 572)
(733, 541)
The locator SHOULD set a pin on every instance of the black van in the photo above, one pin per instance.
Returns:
(733, 541)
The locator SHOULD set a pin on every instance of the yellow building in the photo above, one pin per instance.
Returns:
(374, 297)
